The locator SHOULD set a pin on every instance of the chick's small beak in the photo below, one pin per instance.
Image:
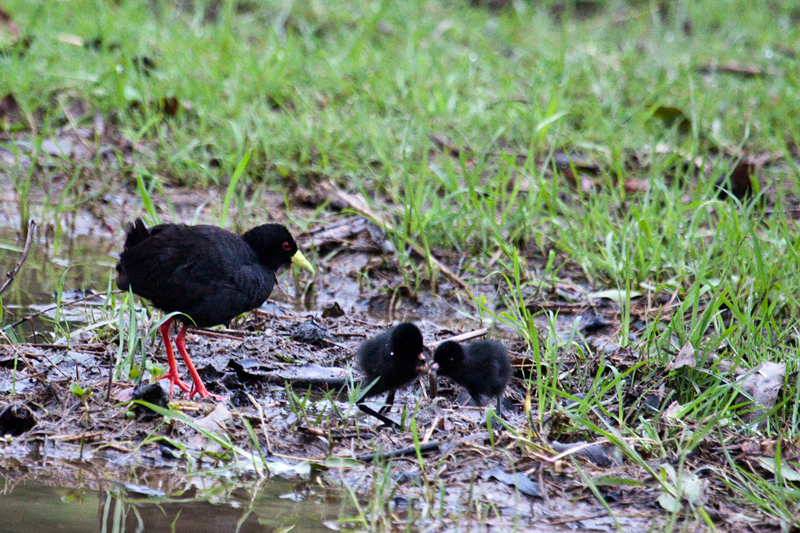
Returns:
(300, 260)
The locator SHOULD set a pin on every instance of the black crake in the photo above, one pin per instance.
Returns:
(391, 360)
(208, 274)
(482, 367)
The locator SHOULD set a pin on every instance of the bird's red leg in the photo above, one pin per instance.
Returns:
(172, 375)
(198, 387)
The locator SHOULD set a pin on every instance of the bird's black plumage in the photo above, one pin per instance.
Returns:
(208, 274)
(393, 358)
(482, 367)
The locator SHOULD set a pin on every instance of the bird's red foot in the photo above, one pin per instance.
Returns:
(203, 392)
(175, 379)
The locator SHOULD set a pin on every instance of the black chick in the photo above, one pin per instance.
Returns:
(483, 367)
(393, 358)
(206, 273)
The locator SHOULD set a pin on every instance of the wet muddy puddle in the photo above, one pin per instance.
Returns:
(200, 504)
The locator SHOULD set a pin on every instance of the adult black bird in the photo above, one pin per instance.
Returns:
(208, 274)
(483, 367)
(391, 360)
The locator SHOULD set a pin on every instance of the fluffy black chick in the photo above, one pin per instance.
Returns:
(481, 367)
(389, 361)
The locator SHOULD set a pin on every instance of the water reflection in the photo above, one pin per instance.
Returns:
(269, 506)
(77, 264)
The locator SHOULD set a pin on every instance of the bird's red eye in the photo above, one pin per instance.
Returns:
(287, 246)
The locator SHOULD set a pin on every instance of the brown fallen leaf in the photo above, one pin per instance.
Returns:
(216, 421)
(671, 413)
(738, 183)
(169, 106)
(763, 385)
(685, 357)
(636, 186)
(585, 183)
(10, 112)
(9, 31)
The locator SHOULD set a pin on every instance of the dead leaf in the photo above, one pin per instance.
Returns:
(688, 486)
(214, 422)
(9, 31)
(614, 295)
(751, 447)
(738, 183)
(10, 112)
(685, 357)
(332, 311)
(763, 385)
(169, 106)
(519, 480)
(634, 186)
(789, 471)
(68, 38)
(672, 411)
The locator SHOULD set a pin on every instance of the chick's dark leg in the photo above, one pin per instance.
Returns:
(172, 374)
(389, 402)
(388, 422)
(197, 387)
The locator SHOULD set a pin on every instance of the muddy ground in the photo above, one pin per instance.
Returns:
(287, 370)
(253, 361)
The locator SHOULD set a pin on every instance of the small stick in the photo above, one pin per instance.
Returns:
(11, 275)
(216, 334)
(466, 336)
(43, 311)
(87, 347)
(360, 207)
(263, 423)
(411, 450)
(18, 352)
(110, 374)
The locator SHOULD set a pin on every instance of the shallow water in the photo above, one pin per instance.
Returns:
(73, 265)
(274, 505)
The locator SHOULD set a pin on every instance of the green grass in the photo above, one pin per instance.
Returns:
(351, 93)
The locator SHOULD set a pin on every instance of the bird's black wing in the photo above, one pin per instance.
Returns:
(205, 272)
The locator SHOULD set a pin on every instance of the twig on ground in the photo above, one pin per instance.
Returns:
(360, 206)
(466, 336)
(18, 352)
(263, 423)
(11, 275)
(411, 450)
(68, 304)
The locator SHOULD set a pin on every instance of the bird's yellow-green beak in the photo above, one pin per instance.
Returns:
(300, 260)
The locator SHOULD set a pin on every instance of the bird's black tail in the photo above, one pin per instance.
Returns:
(136, 233)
